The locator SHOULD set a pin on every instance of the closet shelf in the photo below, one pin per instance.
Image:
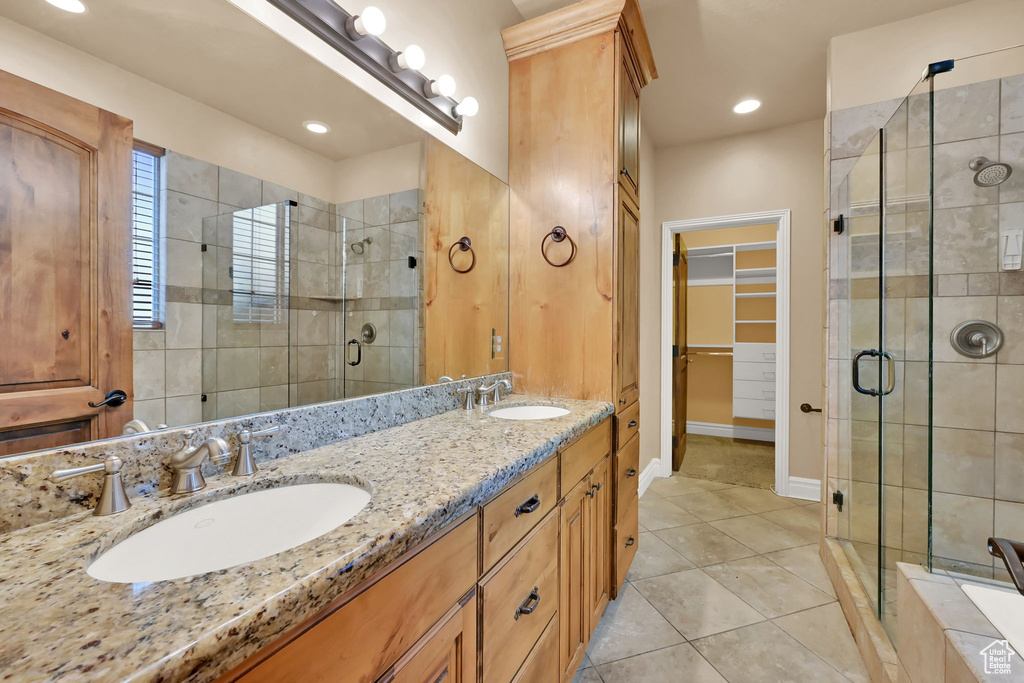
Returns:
(738, 322)
(755, 295)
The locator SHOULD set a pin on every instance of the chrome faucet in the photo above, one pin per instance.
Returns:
(138, 427)
(467, 401)
(186, 463)
(494, 390)
(244, 462)
(113, 498)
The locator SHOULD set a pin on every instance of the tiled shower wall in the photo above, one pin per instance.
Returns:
(169, 362)
(383, 288)
(978, 452)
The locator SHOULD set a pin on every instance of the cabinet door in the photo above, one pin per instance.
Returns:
(574, 621)
(627, 330)
(599, 529)
(629, 127)
(447, 653)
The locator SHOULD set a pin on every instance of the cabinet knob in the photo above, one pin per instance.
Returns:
(631, 472)
(632, 423)
(630, 541)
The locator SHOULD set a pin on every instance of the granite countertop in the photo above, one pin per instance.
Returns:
(58, 623)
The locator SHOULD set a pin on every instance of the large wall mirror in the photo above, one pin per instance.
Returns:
(271, 266)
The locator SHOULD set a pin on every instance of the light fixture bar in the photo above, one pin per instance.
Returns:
(329, 22)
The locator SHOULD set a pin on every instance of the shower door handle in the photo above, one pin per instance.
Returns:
(890, 385)
(359, 352)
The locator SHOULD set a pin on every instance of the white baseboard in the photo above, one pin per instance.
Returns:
(730, 431)
(806, 489)
(649, 474)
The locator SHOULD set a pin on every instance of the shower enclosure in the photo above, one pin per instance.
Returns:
(926, 331)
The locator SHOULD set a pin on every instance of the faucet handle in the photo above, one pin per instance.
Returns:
(113, 498)
(245, 463)
(469, 392)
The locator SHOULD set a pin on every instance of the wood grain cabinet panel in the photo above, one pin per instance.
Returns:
(361, 638)
(583, 454)
(629, 127)
(541, 666)
(627, 305)
(627, 541)
(627, 476)
(627, 425)
(599, 523)
(574, 629)
(509, 517)
(447, 653)
(519, 597)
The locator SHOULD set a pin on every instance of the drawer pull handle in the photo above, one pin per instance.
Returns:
(630, 541)
(632, 423)
(528, 506)
(631, 472)
(590, 493)
(622, 400)
(529, 604)
(596, 487)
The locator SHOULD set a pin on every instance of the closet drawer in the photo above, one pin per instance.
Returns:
(753, 353)
(627, 476)
(511, 515)
(762, 391)
(758, 372)
(519, 598)
(753, 409)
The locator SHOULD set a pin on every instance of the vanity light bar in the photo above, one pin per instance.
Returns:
(333, 25)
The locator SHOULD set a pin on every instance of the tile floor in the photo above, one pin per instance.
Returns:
(726, 586)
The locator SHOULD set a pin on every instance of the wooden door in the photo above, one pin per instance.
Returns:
(627, 302)
(65, 268)
(574, 621)
(629, 126)
(599, 530)
(448, 653)
(466, 314)
(679, 352)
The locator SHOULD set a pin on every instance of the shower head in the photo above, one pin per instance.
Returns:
(989, 173)
(358, 246)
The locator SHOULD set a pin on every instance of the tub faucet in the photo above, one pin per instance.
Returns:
(186, 463)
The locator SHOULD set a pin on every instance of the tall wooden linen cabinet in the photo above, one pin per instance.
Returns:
(575, 77)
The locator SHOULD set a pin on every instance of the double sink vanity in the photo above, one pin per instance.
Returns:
(478, 544)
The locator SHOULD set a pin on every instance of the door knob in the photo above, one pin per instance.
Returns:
(806, 408)
(114, 399)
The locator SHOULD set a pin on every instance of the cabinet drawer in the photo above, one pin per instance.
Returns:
(753, 353)
(758, 372)
(519, 598)
(627, 424)
(753, 409)
(367, 634)
(511, 515)
(541, 665)
(627, 476)
(579, 457)
(627, 539)
(762, 391)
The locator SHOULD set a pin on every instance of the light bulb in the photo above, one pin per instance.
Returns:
(467, 107)
(446, 85)
(746, 106)
(411, 57)
(370, 22)
(317, 127)
(74, 6)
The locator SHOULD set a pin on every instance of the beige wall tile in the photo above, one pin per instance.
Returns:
(148, 374)
(184, 410)
(184, 373)
(238, 402)
(190, 176)
(920, 638)
(1011, 321)
(184, 264)
(152, 412)
(960, 525)
(184, 325)
(274, 397)
(148, 340)
(238, 368)
(313, 364)
(239, 190)
(1009, 398)
(1009, 467)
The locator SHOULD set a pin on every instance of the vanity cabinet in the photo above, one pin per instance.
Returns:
(511, 592)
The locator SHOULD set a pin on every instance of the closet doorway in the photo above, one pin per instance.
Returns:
(725, 349)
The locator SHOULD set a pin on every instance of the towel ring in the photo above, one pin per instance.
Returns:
(558, 234)
(464, 244)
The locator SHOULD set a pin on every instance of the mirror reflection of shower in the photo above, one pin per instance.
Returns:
(989, 173)
(359, 247)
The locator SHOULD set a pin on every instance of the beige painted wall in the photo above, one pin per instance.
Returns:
(371, 175)
(650, 306)
(885, 62)
(460, 38)
(162, 116)
(767, 170)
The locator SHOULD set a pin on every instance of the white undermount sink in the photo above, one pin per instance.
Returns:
(529, 412)
(244, 528)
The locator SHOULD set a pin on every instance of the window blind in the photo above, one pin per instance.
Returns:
(145, 239)
(260, 266)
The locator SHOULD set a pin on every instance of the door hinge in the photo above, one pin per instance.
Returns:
(675, 441)
(675, 351)
(675, 260)
(837, 499)
(838, 225)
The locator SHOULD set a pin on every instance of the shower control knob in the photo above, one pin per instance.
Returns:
(976, 338)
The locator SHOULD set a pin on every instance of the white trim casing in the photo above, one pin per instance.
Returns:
(730, 431)
(805, 489)
(650, 473)
(782, 220)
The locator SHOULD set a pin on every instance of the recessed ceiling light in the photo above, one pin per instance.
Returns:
(746, 106)
(75, 6)
(317, 127)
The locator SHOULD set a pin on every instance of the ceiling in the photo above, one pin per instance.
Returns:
(216, 54)
(712, 54)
